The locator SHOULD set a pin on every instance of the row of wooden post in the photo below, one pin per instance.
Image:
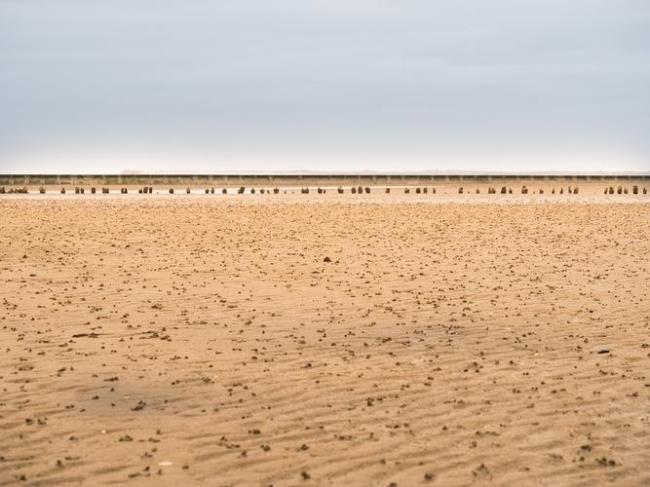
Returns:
(340, 190)
(622, 190)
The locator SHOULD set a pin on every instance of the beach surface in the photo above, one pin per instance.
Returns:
(325, 340)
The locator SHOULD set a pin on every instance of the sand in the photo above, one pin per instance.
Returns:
(316, 340)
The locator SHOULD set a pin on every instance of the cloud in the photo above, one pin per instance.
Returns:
(158, 85)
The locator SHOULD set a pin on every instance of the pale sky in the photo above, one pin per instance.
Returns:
(324, 85)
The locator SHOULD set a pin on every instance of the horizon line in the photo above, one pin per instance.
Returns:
(332, 174)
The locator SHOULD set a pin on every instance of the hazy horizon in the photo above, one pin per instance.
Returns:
(365, 86)
(641, 173)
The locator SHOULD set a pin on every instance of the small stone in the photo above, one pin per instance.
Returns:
(139, 407)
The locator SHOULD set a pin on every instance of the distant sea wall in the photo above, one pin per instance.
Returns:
(220, 180)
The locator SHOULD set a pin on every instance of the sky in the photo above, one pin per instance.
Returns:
(95, 86)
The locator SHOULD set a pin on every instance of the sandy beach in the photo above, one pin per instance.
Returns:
(325, 340)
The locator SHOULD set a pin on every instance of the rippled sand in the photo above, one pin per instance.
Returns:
(246, 340)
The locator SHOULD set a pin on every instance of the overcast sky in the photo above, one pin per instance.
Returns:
(329, 85)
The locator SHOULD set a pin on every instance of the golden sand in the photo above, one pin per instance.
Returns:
(319, 340)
